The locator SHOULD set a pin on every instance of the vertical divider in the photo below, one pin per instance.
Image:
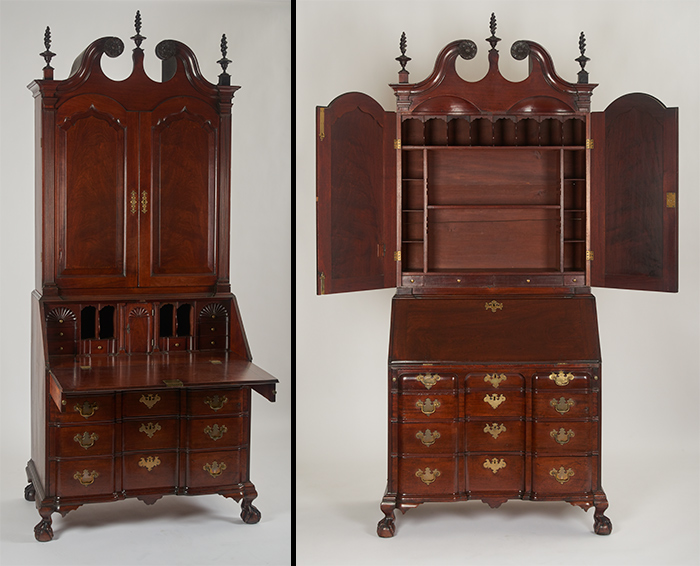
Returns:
(561, 210)
(425, 210)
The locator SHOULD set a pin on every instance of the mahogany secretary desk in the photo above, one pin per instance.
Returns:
(141, 372)
(494, 207)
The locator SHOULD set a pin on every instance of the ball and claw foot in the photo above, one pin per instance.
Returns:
(386, 527)
(249, 513)
(29, 492)
(43, 531)
(602, 525)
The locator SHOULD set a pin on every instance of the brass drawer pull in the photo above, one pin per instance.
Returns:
(428, 476)
(86, 440)
(149, 400)
(495, 379)
(495, 429)
(149, 429)
(149, 463)
(216, 403)
(428, 438)
(562, 379)
(562, 475)
(562, 405)
(494, 400)
(214, 469)
(428, 379)
(86, 410)
(427, 407)
(562, 436)
(215, 432)
(85, 478)
(494, 464)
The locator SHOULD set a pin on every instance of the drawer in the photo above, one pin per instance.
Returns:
(438, 438)
(84, 441)
(495, 404)
(558, 404)
(427, 381)
(218, 402)
(213, 327)
(495, 380)
(213, 433)
(150, 403)
(214, 469)
(489, 436)
(58, 332)
(213, 342)
(175, 344)
(147, 470)
(59, 347)
(557, 475)
(98, 347)
(85, 477)
(427, 407)
(84, 408)
(562, 437)
(494, 472)
(428, 477)
(147, 434)
(562, 379)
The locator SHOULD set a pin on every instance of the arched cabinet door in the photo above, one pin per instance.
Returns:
(634, 195)
(96, 184)
(178, 198)
(355, 195)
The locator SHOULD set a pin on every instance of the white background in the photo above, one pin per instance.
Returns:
(650, 341)
(176, 530)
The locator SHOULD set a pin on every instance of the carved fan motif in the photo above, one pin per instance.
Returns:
(139, 312)
(59, 315)
(213, 310)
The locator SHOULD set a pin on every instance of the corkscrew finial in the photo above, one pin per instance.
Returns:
(138, 38)
(224, 78)
(493, 40)
(582, 60)
(47, 54)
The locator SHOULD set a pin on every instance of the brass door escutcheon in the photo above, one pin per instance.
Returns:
(149, 463)
(495, 379)
(562, 405)
(214, 469)
(215, 432)
(428, 407)
(562, 436)
(85, 478)
(144, 202)
(494, 464)
(149, 429)
(495, 429)
(494, 400)
(562, 475)
(428, 476)
(149, 400)
(428, 438)
(134, 201)
(428, 379)
(86, 410)
(216, 402)
(86, 440)
(493, 306)
(562, 379)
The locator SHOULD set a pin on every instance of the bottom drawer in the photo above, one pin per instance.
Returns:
(495, 473)
(85, 477)
(146, 470)
(558, 475)
(214, 469)
(435, 477)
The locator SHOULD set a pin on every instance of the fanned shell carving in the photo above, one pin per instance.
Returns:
(213, 310)
(59, 315)
(138, 312)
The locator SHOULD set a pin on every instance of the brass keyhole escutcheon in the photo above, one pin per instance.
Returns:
(428, 476)
(495, 464)
(428, 407)
(149, 400)
(149, 429)
(495, 379)
(493, 306)
(495, 429)
(562, 405)
(149, 463)
(562, 436)
(86, 440)
(494, 400)
(428, 438)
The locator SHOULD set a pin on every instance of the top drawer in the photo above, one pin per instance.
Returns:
(146, 403)
(495, 380)
(218, 402)
(427, 381)
(84, 408)
(563, 379)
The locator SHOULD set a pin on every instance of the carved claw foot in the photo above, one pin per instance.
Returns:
(30, 492)
(43, 531)
(386, 527)
(249, 513)
(602, 525)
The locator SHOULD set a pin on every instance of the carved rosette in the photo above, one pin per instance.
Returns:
(467, 49)
(519, 50)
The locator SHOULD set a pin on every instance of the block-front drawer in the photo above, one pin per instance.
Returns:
(85, 408)
(557, 475)
(221, 402)
(85, 477)
(213, 469)
(495, 472)
(427, 477)
(563, 404)
(150, 434)
(428, 406)
(437, 438)
(427, 381)
(561, 437)
(564, 380)
(495, 435)
(147, 403)
(145, 470)
(84, 441)
(495, 404)
(212, 433)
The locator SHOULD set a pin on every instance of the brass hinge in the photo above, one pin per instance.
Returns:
(670, 200)
(322, 278)
(397, 256)
(589, 144)
(589, 255)
(321, 125)
(397, 144)
(381, 250)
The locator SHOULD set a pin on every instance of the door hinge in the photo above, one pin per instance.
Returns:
(321, 124)
(381, 250)
(397, 255)
(589, 144)
(322, 279)
(589, 255)
(397, 144)
(670, 200)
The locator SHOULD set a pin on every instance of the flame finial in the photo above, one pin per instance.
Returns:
(403, 59)
(47, 54)
(582, 60)
(224, 78)
(138, 38)
(493, 40)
